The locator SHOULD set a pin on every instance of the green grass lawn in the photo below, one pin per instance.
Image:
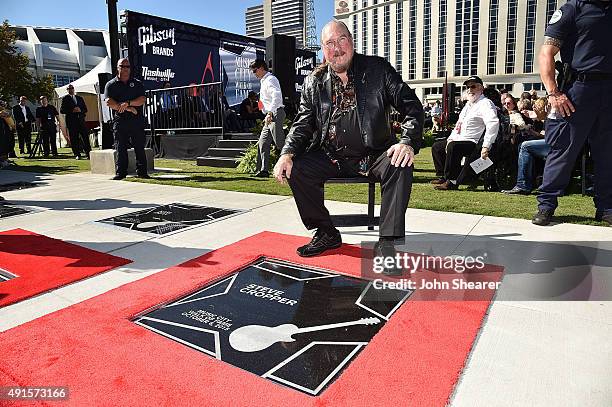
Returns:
(573, 208)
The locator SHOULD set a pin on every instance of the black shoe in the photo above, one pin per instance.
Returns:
(543, 217)
(602, 216)
(321, 242)
(263, 174)
(386, 248)
(599, 215)
(143, 176)
(118, 177)
(516, 191)
(446, 186)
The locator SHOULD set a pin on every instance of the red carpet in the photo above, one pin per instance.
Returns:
(105, 359)
(42, 264)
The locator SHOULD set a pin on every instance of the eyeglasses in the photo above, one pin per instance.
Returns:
(124, 66)
(254, 70)
(340, 42)
(473, 86)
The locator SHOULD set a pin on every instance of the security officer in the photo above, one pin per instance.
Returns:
(126, 95)
(47, 117)
(582, 109)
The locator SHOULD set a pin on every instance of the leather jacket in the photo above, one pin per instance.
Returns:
(378, 87)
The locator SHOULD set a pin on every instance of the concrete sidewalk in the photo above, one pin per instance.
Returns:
(529, 353)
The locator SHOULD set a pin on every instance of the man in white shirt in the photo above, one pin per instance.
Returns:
(478, 116)
(272, 98)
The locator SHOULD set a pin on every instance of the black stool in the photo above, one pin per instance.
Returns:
(357, 220)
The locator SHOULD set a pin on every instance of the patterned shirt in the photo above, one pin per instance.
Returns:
(344, 135)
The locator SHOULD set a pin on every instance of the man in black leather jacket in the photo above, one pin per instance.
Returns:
(343, 129)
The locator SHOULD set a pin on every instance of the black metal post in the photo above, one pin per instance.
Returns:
(113, 30)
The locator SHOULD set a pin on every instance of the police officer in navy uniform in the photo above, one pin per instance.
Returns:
(125, 96)
(582, 31)
(47, 117)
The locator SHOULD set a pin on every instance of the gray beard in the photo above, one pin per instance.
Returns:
(473, 98)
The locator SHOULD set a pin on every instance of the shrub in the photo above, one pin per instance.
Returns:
(247, 163)
(428, 137)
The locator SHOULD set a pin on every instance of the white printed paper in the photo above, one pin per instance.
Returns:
(479, 165)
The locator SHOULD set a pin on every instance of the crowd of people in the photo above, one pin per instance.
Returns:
(494, 119)
(22, 122)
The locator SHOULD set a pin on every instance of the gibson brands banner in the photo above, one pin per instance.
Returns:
(163, 50)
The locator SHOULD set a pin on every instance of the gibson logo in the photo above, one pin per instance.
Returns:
(156, 75)
(146, 36)
(301, 62)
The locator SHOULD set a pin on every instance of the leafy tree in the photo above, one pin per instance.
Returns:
(15, 79)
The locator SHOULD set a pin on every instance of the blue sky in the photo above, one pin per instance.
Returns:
(226, 15)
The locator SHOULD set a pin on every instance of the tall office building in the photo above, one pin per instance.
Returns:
(288, 17)
(497, 40)
(254, 19)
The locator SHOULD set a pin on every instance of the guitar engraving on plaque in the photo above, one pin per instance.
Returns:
(254, 338)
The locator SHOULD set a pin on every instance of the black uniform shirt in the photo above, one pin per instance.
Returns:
(46, 115)
(122, 92)
(585, 27)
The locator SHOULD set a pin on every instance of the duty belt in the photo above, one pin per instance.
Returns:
(593, 76)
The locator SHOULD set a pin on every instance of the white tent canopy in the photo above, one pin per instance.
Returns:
(87, 83)
(87, 87)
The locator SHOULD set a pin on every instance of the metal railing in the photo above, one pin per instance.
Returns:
(193, 107)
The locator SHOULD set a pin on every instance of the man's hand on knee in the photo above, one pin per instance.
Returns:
(401, 155)
(283, 167)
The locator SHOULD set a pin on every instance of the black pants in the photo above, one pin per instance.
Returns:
(24, 134)
(79, 138)
(438, 153)
(130, 132)
(47, 137)
(566, 136)
(451, 156)
(312, 169)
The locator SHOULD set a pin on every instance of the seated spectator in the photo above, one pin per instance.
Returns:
(519, 123)
(529, 150)
(525, 96)
(523, 105)
(503, 93)
(478, 116)
(231, 118)
(249, 108)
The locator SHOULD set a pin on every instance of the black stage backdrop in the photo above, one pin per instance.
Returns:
(163, 50)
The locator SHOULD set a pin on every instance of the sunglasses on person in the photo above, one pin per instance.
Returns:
(124, 66)
(472, 86)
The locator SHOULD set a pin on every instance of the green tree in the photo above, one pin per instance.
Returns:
(15, 79)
